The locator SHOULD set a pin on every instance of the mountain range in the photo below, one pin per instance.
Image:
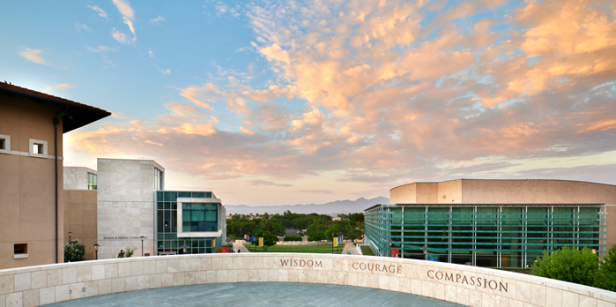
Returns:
(331, 208)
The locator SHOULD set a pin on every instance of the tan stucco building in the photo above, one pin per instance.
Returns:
(32, 125)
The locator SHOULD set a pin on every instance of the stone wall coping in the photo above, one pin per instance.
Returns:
(405, 275)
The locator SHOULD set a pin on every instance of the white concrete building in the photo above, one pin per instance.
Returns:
(125, 205)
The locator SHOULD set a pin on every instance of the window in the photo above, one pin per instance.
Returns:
(5, 143)
(199, 217)
(92, 181)
(158, 179)
(38, 148)
(19, 249)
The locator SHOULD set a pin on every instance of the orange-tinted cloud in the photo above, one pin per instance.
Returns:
(386, 97)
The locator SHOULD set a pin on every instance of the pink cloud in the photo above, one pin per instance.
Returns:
(384, 100)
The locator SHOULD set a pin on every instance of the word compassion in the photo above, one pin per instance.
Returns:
(472, 281)
(302, 263)
(123, 238)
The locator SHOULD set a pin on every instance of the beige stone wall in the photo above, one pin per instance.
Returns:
(80, 219)
(27, 205)
(504, 191)
(405, 194)
(125, 206)
(536, 191)
(449, 192)
(76, 178)
(427, 192)
(466, 285)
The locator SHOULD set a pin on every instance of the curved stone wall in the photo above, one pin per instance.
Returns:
(467, 285)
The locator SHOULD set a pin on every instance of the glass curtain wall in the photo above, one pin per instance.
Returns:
(507, 236)
(166, 225)
(92, 181)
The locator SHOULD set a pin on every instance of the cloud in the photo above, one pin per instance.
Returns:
(246, 131)
(265, 182)
(151, 53)
(316, 191)
(119, 36)
(61, 86)
(380, 93)
(128, 15)
(157, 20)
(33, 55)
(101, 49)
(100, 11)
(165, 71)
(82, 26)
(222, 9)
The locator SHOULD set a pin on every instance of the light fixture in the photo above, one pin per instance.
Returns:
(594, 251)
(70, 236)
(96, 249)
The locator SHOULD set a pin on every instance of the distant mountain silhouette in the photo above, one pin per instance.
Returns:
(332, 208)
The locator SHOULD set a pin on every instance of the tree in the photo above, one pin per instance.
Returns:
(74, 251)
(269, 239)
(129, 252)
(568, 264)
(316, 232)
(356, 226)
(606, 276)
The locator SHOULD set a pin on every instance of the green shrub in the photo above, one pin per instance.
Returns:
(568, 264)
(606, 276)
(74, 251)
(293, 238)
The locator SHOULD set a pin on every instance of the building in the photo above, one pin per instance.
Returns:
(492, 223)
(79, 178)
(32, 125)
(130, 209)
(189, 222)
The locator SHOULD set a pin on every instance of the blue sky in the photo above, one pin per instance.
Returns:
(284, 102)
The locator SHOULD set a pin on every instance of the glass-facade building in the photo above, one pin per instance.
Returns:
(488, 235)
(188, 222)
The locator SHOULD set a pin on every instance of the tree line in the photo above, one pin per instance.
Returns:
(318, 226)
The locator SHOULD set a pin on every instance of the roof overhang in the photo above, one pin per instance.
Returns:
(80, 114)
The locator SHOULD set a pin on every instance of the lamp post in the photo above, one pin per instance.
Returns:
(70, 236)
(96, 249)
(141, 246)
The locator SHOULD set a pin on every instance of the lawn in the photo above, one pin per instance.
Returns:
(317, 249)
(366, 250)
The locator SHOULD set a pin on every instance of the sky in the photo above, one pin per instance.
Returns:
(299, 102)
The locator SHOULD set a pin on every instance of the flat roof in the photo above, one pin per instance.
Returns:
(81, 114)
(487, 205)
(500, 180)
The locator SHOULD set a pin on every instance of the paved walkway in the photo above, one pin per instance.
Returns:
(240, 247)
(349, 247)
(259, 294)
